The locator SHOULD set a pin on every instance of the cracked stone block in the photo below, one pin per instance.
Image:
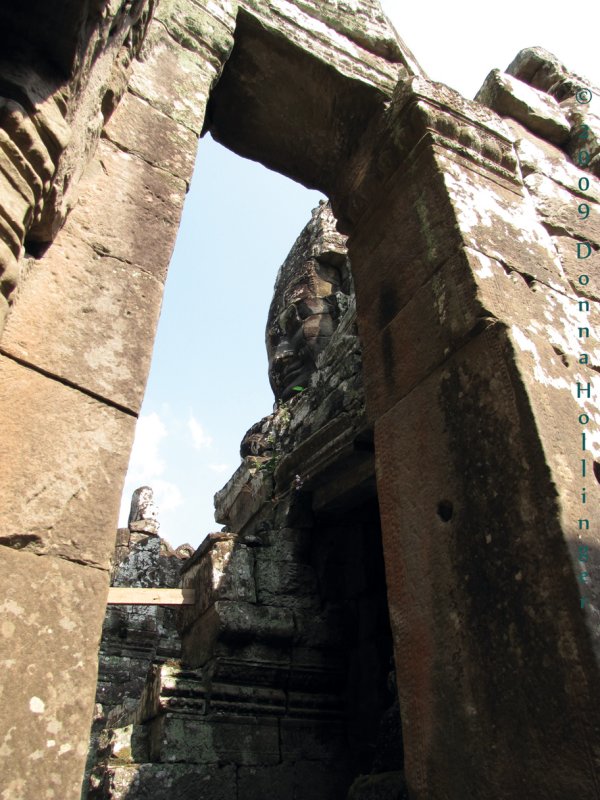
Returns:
(128, 209)
(61, 452)
(49, 635)
(537, 111)
(144, 131)
(87, 318)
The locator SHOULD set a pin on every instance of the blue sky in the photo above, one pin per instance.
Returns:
(208, 382)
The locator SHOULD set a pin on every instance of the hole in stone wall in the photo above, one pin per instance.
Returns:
(35, 249)
(445, 510)
(529, 279)
(561, 355)
(209, 377)
(597, 471)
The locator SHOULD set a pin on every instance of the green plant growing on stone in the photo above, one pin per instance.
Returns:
(283, 413)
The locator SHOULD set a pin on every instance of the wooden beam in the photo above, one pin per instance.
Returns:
(150, 597)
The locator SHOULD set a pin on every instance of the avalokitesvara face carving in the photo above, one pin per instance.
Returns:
(304, 310)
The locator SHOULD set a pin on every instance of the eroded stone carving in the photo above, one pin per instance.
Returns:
(143, 515)
(309, 291)
(49, 129)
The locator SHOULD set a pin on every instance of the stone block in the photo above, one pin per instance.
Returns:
(171, 688)
(537, 111)
(497, 220)
(127, 745)
(566, 247)
(62, 462)
(227, 622)
(411, 235)
(537, 155)
(51, 619)
(143, 526)
(539, 68)
(558, 208)
(222, 739)
(231, 698)
(286, 544)
(314, 780)
(585, 138)
(315, 672)
(144, 131)
(323, 630)
(169, 71)
(364, 25)
(251, 664)
(221, 569)
(464, 296)
(88, 319)
(128, 209)
(276, 579)
(208, 32)
(242, 498)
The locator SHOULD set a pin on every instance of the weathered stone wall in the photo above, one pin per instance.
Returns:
(283, 681)
(465, 271)
(478, 446)
(134, 637)
(76, 349)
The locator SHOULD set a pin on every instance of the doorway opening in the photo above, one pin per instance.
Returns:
(208, 381)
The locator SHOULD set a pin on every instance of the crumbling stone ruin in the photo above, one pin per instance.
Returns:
(135, 637)
(286, 665)
(473, 239)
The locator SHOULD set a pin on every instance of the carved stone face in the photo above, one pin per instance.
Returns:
(300, 332)
(304, 310)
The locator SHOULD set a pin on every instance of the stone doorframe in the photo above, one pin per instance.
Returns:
(497, 664)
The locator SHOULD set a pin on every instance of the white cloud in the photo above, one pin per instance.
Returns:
(167, 496)
(199, 436)
(145, 462)
(218, 467)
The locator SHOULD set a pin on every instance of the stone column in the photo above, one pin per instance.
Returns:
(74, 360)
(463, 310)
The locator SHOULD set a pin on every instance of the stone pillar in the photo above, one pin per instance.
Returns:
(74, 360)
(463, 310)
